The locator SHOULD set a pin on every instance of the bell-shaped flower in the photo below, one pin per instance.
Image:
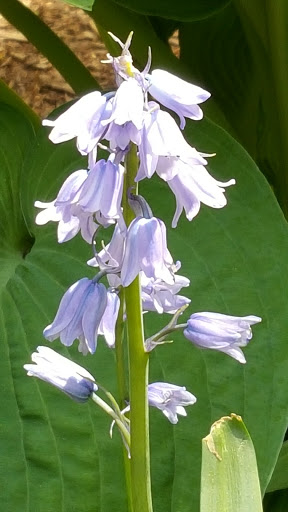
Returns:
(112, 254)
(177, 95)
(109, 318)
(170, 399)
(79, 315)
(127, 104)
(146, 249)
(221, 332)
(193, 185)
(83, 120)
(65, 210)
(102, 190)
(59, 371)
(120, 136)
(162, 297)
(161, 137)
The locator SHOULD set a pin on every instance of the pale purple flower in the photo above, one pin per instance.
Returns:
(177, 95)
(112, 254)
(193, 185)
(109, 318)
(65, 210)
(221, 332)
(59, 371)
(79, 315)
(127, 104)
(102, 190)
(146, 249)
(120, 136)
(83, 120)
(161, 137)
(170, 399)
(162, 297)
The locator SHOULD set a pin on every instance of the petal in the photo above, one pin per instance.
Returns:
(70, 123)
(128, 104)
(95, 306)
(109, 318)
(68, 308)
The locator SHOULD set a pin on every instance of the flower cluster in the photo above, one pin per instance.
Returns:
(92, 198)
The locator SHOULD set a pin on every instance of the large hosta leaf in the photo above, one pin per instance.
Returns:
(56, 454)
(54, 458)
(236, 259)
(193, 10)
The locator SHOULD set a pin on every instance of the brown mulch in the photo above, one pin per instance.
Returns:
(32, 76)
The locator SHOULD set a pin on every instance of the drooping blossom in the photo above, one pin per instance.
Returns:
(146, 249)
(82, 120)
(127, 104)
(79, 315)
(221, 332)
(65, 210)
(120, 136)
(170, 399)
(193, 185)
(102, 190)
(59, 371)
(177, 95)
(111, 256)
(162, 297)
(161, 137)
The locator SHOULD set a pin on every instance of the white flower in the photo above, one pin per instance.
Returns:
(71, 378)
(170, 399)
(82, 120)
(79, 315)
(221, 332)
(178, 95)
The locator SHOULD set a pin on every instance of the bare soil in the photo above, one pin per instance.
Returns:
(31, 75)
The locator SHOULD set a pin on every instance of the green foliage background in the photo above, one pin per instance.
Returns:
(56, 455)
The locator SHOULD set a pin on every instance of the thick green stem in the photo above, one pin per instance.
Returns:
(122, 388)
(119, 351)
(138, 372)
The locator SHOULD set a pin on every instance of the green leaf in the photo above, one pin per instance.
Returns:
(56, 456)
(10, 97)
(243, 63)
(58, 453)
(236, 259)
(276, 501)
(184, 11)
(83, 4)
(229, 476)
(279, 478)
